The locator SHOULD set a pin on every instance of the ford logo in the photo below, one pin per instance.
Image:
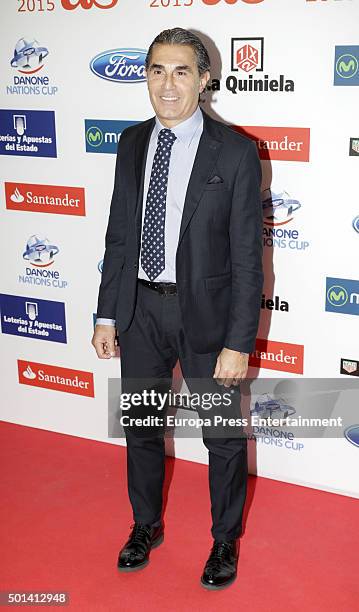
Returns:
(121, 65)
(352, 434)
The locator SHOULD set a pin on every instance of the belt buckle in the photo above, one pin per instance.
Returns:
(162, 289)
(166, 289)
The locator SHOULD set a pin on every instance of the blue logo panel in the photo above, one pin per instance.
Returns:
(102, 135)
(352, 434)
(120, 65)
(342, 296)
(33, 318)
(29, 133)
(346, 65)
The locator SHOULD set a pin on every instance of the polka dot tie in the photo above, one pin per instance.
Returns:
(153, 231)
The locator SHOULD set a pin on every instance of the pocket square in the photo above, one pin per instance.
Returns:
(215, 179)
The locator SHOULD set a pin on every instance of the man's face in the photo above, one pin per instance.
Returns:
(174, 83)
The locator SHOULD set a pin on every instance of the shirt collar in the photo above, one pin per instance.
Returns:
(185, 130)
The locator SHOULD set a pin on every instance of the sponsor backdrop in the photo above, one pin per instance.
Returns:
(286, 74)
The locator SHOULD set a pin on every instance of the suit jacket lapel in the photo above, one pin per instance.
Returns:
(207, 154)
(208, 150)
(141, 148)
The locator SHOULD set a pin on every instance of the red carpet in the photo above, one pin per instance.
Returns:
(64, 515)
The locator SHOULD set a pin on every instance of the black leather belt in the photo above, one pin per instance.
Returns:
(162, 288)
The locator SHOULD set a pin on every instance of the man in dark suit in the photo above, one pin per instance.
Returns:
(182, 279)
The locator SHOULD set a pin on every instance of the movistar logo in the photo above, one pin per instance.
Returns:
(103, 135)
(94, 136)
(347, 66)
(337, 296)
(342, 296)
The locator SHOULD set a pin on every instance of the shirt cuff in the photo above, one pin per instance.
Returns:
(106, 322)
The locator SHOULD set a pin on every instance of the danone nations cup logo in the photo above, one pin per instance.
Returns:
(28, 56)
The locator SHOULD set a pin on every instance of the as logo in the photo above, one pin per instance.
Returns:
(342, 296)
(71, 5)
(213, 2)
(346, 66)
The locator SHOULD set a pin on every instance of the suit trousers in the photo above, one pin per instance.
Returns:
(150, 349)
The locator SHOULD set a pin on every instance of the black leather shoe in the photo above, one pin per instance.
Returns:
(135, 554)
(221, 567)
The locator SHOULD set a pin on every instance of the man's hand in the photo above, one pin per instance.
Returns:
(231, 367)
(104, 341)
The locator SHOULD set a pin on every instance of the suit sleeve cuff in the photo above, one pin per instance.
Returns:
(236, 349)
(243, 346)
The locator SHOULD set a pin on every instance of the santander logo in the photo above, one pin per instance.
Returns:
(279, 143)
(56, 378)
(29, 374)
(71, 5)
(55, 199)
(282, 356)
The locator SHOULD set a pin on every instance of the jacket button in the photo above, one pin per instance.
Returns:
(135, 265)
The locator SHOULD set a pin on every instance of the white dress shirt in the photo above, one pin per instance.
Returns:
(184, 149)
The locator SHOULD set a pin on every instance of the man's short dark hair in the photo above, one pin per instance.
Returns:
(180, 36)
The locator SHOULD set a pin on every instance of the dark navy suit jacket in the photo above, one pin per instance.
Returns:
(219, 272)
